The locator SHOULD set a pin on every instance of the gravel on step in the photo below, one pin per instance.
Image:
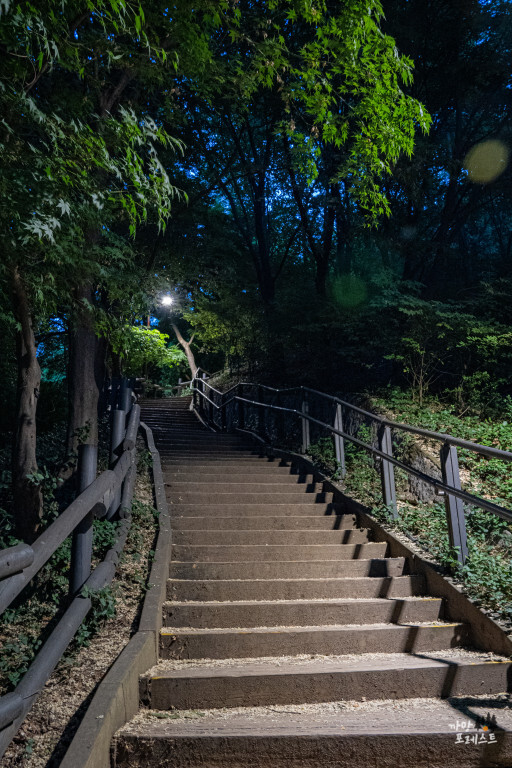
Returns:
(462, 654)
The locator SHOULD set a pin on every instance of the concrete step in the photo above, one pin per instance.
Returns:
(205, 443)
(376, 566)
(415, 733)
(307, 537)
(217, 468)
(220, 454)
(275, 682)
(228, 460)
(216, 497)
(204, 439)
(165, 412)
(193, 479)
(182, 415)
(264, 523)
(294, 589)
(300, 507)
(184, 432)
(164, 417)
(251, 642)
(190, 429)
(246, 613)
(179, 414)
(221, 553)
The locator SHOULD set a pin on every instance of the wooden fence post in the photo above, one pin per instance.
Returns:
(116, 440)
(81, 546)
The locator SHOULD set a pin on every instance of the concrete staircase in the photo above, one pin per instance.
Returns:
(290, 638)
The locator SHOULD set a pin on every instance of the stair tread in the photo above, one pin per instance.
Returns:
(336, 719)
(283, 629)
(306, 601)
(298, 580)
(321, 664)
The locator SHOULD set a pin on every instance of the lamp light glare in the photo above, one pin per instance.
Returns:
(167, 301)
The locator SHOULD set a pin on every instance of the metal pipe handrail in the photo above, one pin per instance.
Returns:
(485, 450)
(443, 437)
(205, 397)
(464, 495)
(204, 381)
(450, 484)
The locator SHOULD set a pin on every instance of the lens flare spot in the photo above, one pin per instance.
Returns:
(349, 291)
(486, 161)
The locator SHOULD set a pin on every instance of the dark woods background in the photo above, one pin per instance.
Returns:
(306, 241)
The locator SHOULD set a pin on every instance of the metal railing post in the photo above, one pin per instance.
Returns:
(241, 409)
(81, 546)
(179, 386)
(454, 506)
(211, 410)
(203, 390)
(222, 413)
(388, 471)
(281, 420)
(339, 443)
(305, 422)
(261, 414)
(194, 392)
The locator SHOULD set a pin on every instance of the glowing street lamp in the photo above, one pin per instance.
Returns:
(167, 301)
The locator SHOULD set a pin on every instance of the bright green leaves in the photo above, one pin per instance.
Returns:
(138, 346)
(336, 72)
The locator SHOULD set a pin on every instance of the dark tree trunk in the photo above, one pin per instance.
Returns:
(86, 372)
(27, 495)
(321, 251)
(323, 254)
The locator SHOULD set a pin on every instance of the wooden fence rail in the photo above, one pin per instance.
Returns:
(108, 495)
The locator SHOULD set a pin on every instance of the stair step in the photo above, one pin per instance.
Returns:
(216, 468)
(282, 552)
(374, 566)
(253, 642)
(225, 477)
(169, 459)
(271, 682)
(307, 537)
(245, 613)
(200, 449)
(305, 505)
(249, 486)
(246, 497)
(264, 523)
(206, 440)
(420, 734)
(294, 589)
